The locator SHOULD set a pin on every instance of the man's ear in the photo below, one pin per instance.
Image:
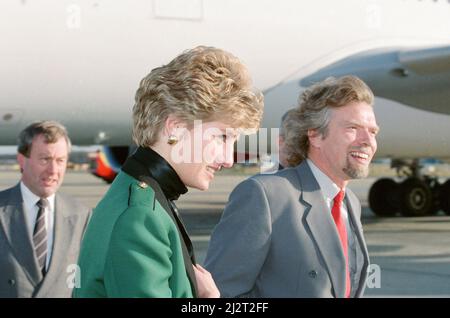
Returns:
(21, 160)
(281, 140)
(314, 138)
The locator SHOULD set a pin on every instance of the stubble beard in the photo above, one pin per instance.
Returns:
(355, 172)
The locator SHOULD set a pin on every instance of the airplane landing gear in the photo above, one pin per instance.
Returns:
(417, 195)
(383, 197)
(445, 197)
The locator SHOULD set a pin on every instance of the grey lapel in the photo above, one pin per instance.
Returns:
(322, 227)
(351, 204)
(65, 223)
(15, 227)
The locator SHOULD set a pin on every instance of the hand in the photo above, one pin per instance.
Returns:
(205, 283)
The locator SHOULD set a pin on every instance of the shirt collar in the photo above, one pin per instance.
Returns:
(328, 187)
(30, 199)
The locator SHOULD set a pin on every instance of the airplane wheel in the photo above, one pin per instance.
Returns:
(445, 197)
(436, 189)
(416, 198)
(383, 197)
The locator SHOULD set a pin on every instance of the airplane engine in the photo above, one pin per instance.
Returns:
(107, 161)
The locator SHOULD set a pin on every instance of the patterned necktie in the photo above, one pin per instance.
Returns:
(342, 230)
(40, 235)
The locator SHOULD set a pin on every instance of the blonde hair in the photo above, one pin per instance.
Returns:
(314, 111)
(203, 83)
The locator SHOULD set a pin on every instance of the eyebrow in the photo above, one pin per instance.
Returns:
(46, 155)
(346, 122)
(229, 131)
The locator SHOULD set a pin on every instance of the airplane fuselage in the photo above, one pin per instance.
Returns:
(80, 62)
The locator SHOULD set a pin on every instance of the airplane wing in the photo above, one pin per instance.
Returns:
(415, 77)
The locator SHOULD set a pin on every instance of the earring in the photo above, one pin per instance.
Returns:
(172, 140)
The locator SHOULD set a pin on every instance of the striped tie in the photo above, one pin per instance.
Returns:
(40, 235)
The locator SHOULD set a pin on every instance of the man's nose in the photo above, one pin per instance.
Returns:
(52, 166)
(366, 138)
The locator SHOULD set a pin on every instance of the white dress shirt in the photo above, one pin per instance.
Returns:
(31, 210)
(329, 190)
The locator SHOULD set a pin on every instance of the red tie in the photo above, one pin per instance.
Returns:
(342, 230)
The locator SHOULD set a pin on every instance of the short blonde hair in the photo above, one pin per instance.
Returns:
(203, 83)
(314, 112)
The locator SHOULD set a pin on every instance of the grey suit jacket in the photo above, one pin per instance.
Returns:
(277, 238)
(19, 271)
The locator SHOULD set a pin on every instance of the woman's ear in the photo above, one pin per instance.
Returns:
(173, 129)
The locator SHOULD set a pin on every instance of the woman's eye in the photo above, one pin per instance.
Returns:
(222, 138)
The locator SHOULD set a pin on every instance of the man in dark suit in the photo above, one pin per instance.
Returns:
(280, 161)
(297, 233)
(282, 153)
(40, 230)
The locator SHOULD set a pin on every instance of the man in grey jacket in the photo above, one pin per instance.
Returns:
(40, 230)
(298, 233)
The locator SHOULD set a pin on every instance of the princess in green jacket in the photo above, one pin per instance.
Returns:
(187, 116)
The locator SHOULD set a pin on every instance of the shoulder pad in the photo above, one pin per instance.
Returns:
(141, 194)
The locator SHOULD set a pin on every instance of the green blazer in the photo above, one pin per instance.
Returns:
(132, 246)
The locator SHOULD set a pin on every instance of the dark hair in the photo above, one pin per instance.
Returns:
(51, 130)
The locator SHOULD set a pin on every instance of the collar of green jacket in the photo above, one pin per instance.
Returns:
(160, 170)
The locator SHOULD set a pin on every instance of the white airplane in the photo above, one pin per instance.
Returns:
(79, 62)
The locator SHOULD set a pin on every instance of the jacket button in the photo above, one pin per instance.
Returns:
(12, 282)
(312, 274)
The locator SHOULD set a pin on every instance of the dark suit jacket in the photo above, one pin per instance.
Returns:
(19, 271)
(277, 238)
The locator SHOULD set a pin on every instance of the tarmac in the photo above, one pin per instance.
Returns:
(410, 257)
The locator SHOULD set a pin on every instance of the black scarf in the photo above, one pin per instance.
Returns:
(148, 166)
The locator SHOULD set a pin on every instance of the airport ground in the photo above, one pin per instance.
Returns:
(413, 254)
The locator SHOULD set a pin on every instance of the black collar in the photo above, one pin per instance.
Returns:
(148, 166)
(162, 172)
